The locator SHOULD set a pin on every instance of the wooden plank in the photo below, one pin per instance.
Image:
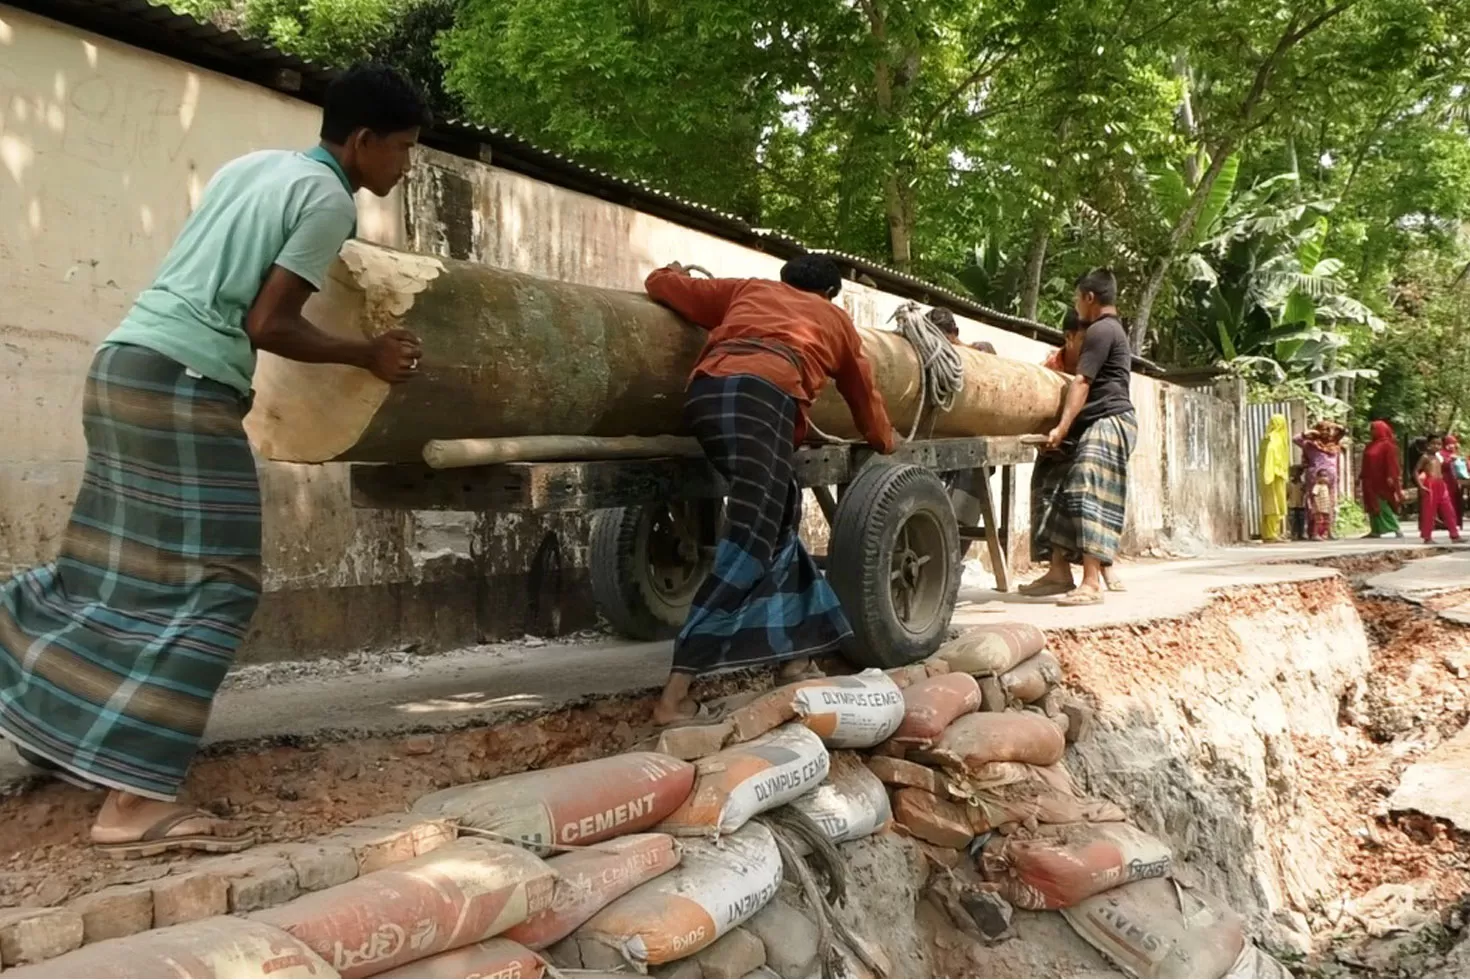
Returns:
(546, 487)
(998, 563)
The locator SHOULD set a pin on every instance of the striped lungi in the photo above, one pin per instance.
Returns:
(1078, 500)
(110, 656)
(765, 600)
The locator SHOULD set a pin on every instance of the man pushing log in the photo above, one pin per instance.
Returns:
(110, 656)
(771, 349)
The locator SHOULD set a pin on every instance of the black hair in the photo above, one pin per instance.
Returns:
(1101, 284)
(813, 274)
(983, 346)
(942, 318)
(1071, 323)
(373, 97)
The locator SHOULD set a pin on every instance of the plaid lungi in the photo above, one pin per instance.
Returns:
(765, 600)
(1078, 499)
(110, 656)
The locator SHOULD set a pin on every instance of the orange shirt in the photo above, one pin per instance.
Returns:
(818, 333)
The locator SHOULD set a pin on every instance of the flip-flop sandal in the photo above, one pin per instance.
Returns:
(1074, 599)
(1039, 589)
(1116, 586)
(156, 841)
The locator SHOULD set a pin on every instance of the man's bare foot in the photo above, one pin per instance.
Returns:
(683, 710)
(1111, 580)
(1082, 596)
(134, 826)
(799, 669)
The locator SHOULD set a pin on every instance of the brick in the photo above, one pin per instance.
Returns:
(927, 817)
(189, 897)
(899, 772)
(380, 842)
(34, 935)
(257, 879)
(890, 750)
(691, 742)
(112, 913)
(908, 676)
(992, 695)
(1080, 718)
(320, 864)
(941, 857)
(734, 954)
(685, 969)
(765, 713)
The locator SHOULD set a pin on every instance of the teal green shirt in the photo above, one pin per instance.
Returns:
(275, 207)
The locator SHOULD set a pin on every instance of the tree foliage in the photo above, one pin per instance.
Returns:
(1266, 176)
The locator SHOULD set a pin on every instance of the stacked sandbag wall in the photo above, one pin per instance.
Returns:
(720, 851)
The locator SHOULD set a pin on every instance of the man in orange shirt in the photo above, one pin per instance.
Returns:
(771, 349)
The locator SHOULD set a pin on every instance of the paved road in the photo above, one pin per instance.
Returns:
(392, 692)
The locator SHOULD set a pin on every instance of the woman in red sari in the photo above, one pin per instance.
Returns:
(1449, 455)
(1382, 481)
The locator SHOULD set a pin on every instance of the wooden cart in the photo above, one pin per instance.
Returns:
(900, 526)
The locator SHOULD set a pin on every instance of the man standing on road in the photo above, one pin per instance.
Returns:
(771, 349)
(1081, 517)
(111, 655)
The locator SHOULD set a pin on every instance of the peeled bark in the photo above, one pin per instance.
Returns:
(511, 355)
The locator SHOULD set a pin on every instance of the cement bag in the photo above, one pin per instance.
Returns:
(578, 804)
(739, 782)
(588, 880)
(492, 958)
(715, 889)
(1030, 680)
(931, 705)
(1003, 794)
(1253, 963)
(992, 649)
(1075, 862)
(851, 804)
(974, 740)
(1156, 929)
(459, 894)
(854, 712)
(219, 947)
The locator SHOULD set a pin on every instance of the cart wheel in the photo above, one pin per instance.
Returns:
(647, 563)
(894, 563)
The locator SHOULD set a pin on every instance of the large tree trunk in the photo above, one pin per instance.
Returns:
(509, 355)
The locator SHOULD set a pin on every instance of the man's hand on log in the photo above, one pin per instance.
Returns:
(395, 356)
(1055, 436)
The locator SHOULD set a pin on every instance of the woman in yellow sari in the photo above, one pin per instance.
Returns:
(1274, 469)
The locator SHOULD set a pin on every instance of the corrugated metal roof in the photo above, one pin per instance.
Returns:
(162, 30)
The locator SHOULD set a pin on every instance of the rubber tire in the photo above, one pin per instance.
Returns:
(619, 583)
(860, 551)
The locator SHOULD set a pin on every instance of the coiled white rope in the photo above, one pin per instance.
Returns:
(941, 372)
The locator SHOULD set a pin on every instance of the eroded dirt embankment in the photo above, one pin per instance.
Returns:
(1260, 739)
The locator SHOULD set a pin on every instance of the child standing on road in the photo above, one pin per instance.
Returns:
(1321, 501)
(1296, 506)
(1434, 493)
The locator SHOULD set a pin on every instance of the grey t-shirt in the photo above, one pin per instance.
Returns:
(1107, 362)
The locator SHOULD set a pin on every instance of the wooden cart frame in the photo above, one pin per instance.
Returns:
(900, 526)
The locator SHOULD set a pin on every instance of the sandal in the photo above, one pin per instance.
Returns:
(1080, 598)
(156, 839)
(1041, 587)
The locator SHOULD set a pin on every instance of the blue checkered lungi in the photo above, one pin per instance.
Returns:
(765, 600)
(110, 656)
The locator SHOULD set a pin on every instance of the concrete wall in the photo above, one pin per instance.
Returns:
(103, 150)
